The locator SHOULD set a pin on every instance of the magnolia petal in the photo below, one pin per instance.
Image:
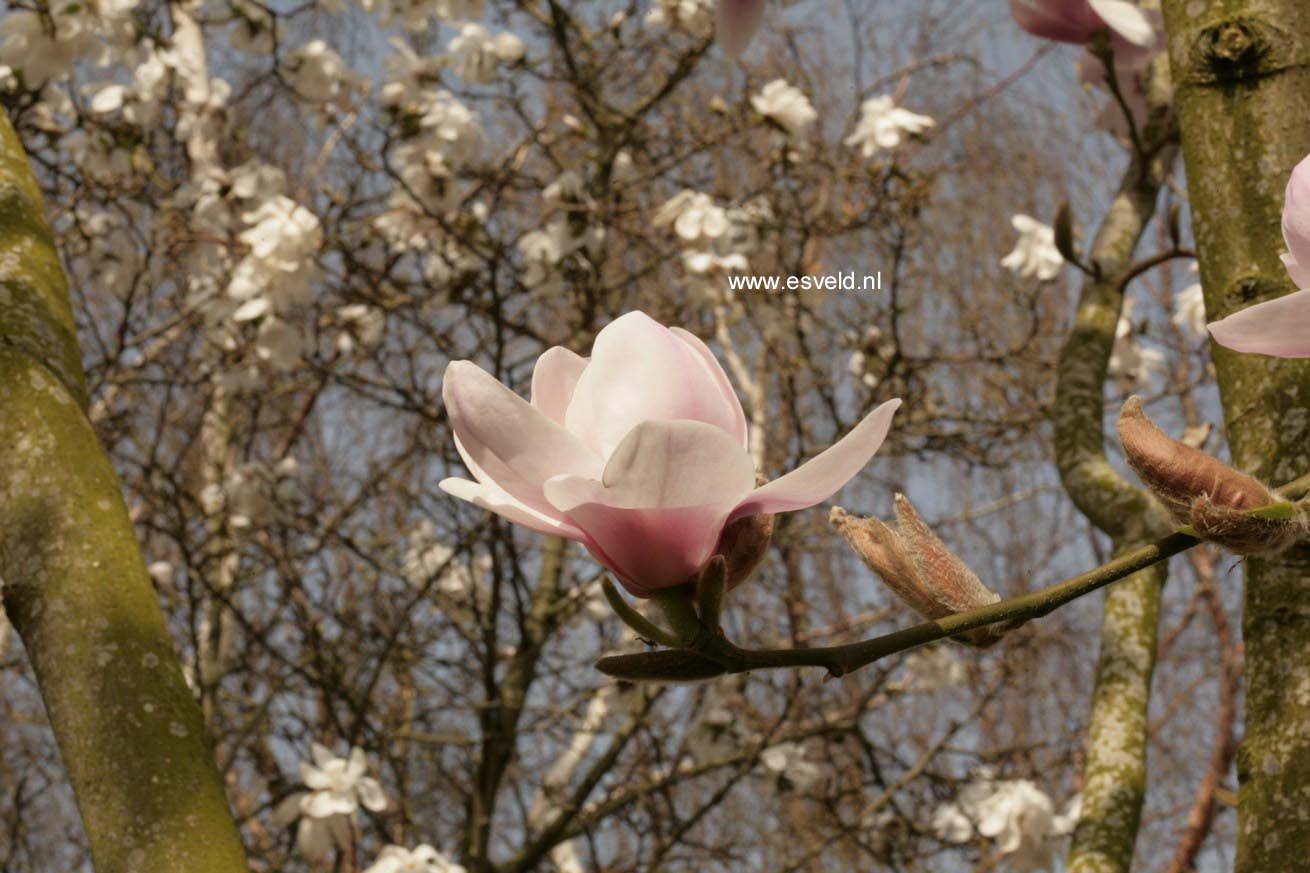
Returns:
(1300, 274)
(1060, 20)
(1296, 224)
(357, 764)
(321, 754)
(641, 371)
(1126, 19)
(370, 794)
(1279, 327)
(507, 439)
(715, 371)
(553, 379)
(314, 838)
(314, 778)
(820, 477)
(488, 496)
(288, 810)
(322, 804)
(665, 496)
(735, 24)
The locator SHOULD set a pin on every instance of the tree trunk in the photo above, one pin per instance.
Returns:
(1243, 73)
(75, 584)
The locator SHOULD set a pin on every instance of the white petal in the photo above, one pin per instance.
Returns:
(820, 477)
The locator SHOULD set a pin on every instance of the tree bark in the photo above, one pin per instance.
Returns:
(75, 584)
(1115, 775)
(1243, 74)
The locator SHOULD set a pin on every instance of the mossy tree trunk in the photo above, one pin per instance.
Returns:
(75, 584)
(1242, 69)
(1115, 775)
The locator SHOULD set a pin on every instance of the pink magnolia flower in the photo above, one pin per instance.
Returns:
(736, 22)
(1077, 21)
(1280, 327)
(638, 452)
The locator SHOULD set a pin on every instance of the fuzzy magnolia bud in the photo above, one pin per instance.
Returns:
(1202, 491)
(918, 567)
(744, 544)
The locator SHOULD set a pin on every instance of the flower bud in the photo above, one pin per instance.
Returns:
(919, 568)
(744, 544)
(1202, 491)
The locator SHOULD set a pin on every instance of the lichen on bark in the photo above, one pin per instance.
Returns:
(75, 584)
(1244, 114)
(1115, 773)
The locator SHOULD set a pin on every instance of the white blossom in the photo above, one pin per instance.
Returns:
(424, 859)
(1189, 311)
(255, 29)
(337, 787)
(933, 669)
(317, 72)
(787, 106)
(44, 48)
(696, 17)
(1132, 363)
(884, 125)
(1016, 814)
(715, 735)
(1034, 253)
(361, 327)
(428, 562)
(693, 216)
(787, 762)
(475, 53)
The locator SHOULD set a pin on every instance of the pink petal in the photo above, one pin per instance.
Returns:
(1279, 327)
(506, 440)
(1300, 274)
(1060, 20)
(736, 23)
(642, 371)
(492, 498)
(1125, 19)
(1296, 224)
(553, 379)
(715, 371)
(663, 501)
(823, 475)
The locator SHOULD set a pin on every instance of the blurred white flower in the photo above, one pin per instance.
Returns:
(424, 859)
(317, 72)
(1034, 253)
(884, 125)
(455, 129)
(786, 106)
(428, 561)
(255, 29)
(696, 17)
(44, 46)
(1189, 311)
(704, 262)
(1131, 363)
(693, 216)
(715, 735)
(1016, 814)
(933, 669)
(475, 53)
(337, 789)
(787, 762)
(543, 250)
(361, 327)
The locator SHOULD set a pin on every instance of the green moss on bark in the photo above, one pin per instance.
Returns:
(1244, 113)
(1115, 774)
(75, 583)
